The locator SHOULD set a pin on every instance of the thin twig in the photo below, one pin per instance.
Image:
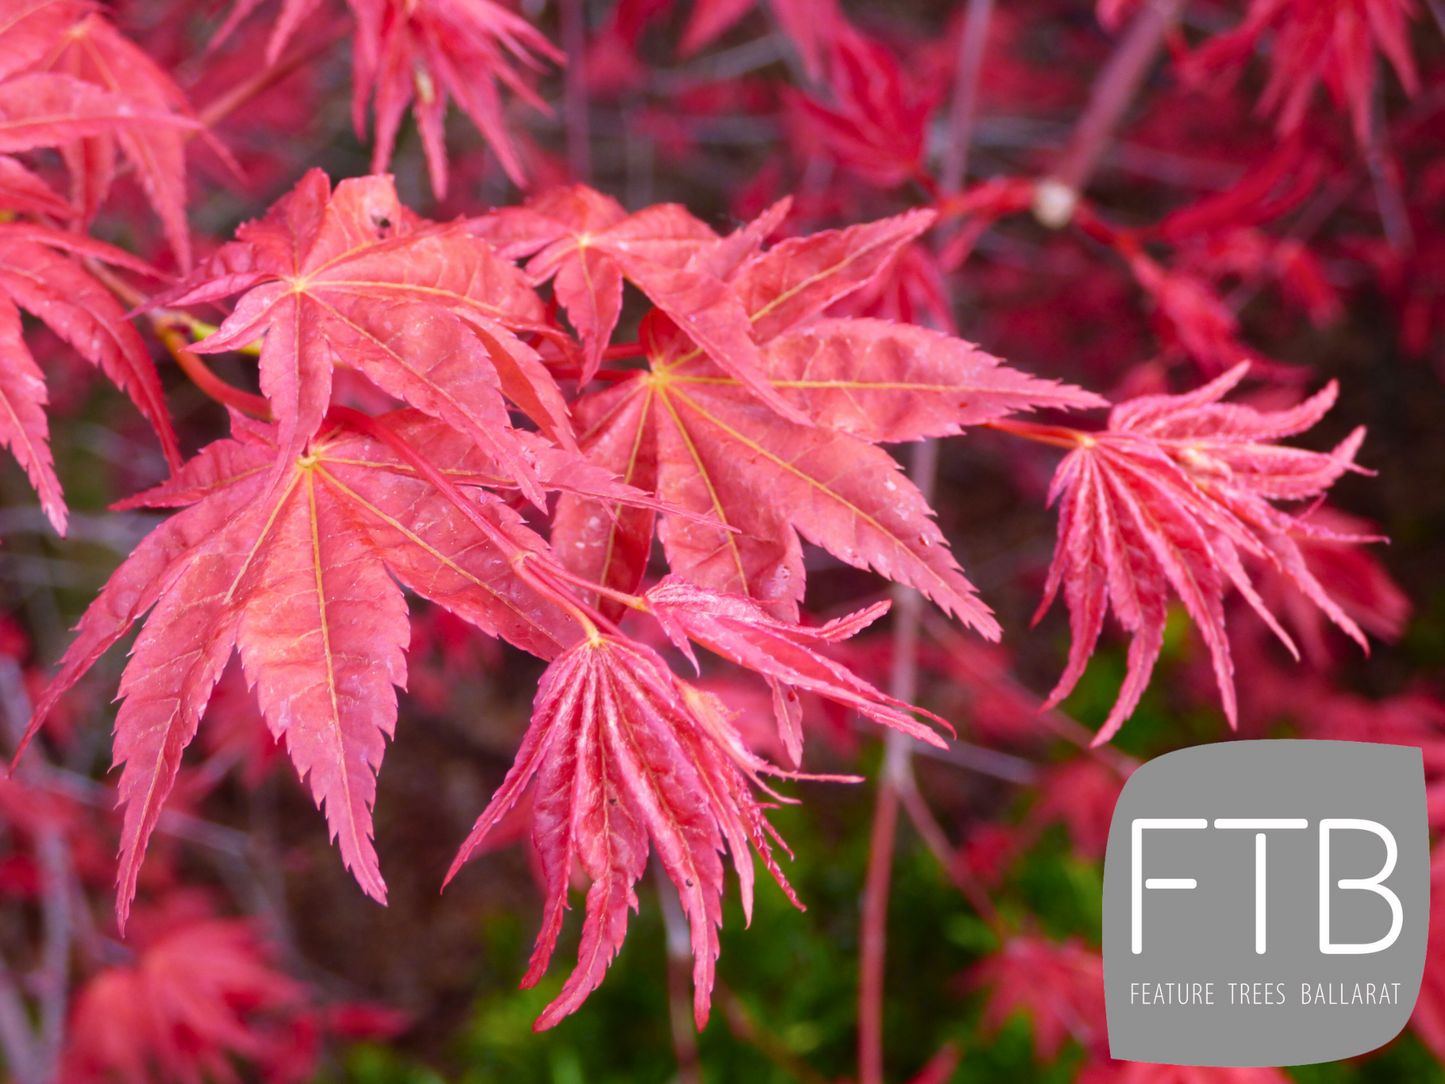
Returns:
(934, 838)
(52, 982)
(1111, 95)
(679, 980)
(962, 112)
(873, 939)
(218, 109)
(895, 777)
(16, 1038)
(745, 1026)
(573, 14)
(985, 761)
(1385, 177)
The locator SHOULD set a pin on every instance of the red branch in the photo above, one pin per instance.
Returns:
(1112, 93)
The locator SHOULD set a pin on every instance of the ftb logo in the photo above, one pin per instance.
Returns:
(1266, 903)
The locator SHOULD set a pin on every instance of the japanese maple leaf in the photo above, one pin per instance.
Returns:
(809, 24)
(427, 53)
(1058, 984)
(1189, 314)
(424, 51)
(910, 290)
(23, 192)
(296, 561)
(877, 122)
(696, 435)
(627, 757)
(99, 93)
(1317, 41)
(588, 244)
(1081, 793)
(740, 630)
(1352, 576)
(1108, 1071)
(198, 996)
(288, 20)
(1164, 501)
(353, 278)
(39, 274)
(1428, 1019)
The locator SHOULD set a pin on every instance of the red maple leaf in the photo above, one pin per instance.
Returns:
(425, 312)
(425, 51)
(625, 753)
(1058, 984)
(703, 441)
(24, 193)
(1082, 793)
(1108, 1071)
(877, 121)
(295, 561)
(1315, 42)
(200, 994)
(743, 632)
(1189, 314)
(809, 24)
(588, 244)
(1163, 502)
(1352, 576)
(85, 88)
(38, 273)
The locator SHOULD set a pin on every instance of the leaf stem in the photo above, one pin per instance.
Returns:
(167, 325)
(175, 342)
(518, 556)
(1060, 436)
(619, 351)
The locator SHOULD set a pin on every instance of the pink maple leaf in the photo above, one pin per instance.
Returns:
(1163, 502)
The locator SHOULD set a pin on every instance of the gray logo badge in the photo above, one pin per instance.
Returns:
(1266, 903)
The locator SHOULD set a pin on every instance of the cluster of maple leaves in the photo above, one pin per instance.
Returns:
(445, 410)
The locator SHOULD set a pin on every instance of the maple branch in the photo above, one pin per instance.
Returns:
(965, 95)
(745, 1026)
(1385, 176)
(934, 838)
(873, 938)
(38, 1056)
(1112, 93)
(679, 979)
(51, 981)
(895, 778)
(576, 121)
(16, 1038)
(218, 109)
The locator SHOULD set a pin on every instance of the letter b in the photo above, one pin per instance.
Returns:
(1368, 884)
